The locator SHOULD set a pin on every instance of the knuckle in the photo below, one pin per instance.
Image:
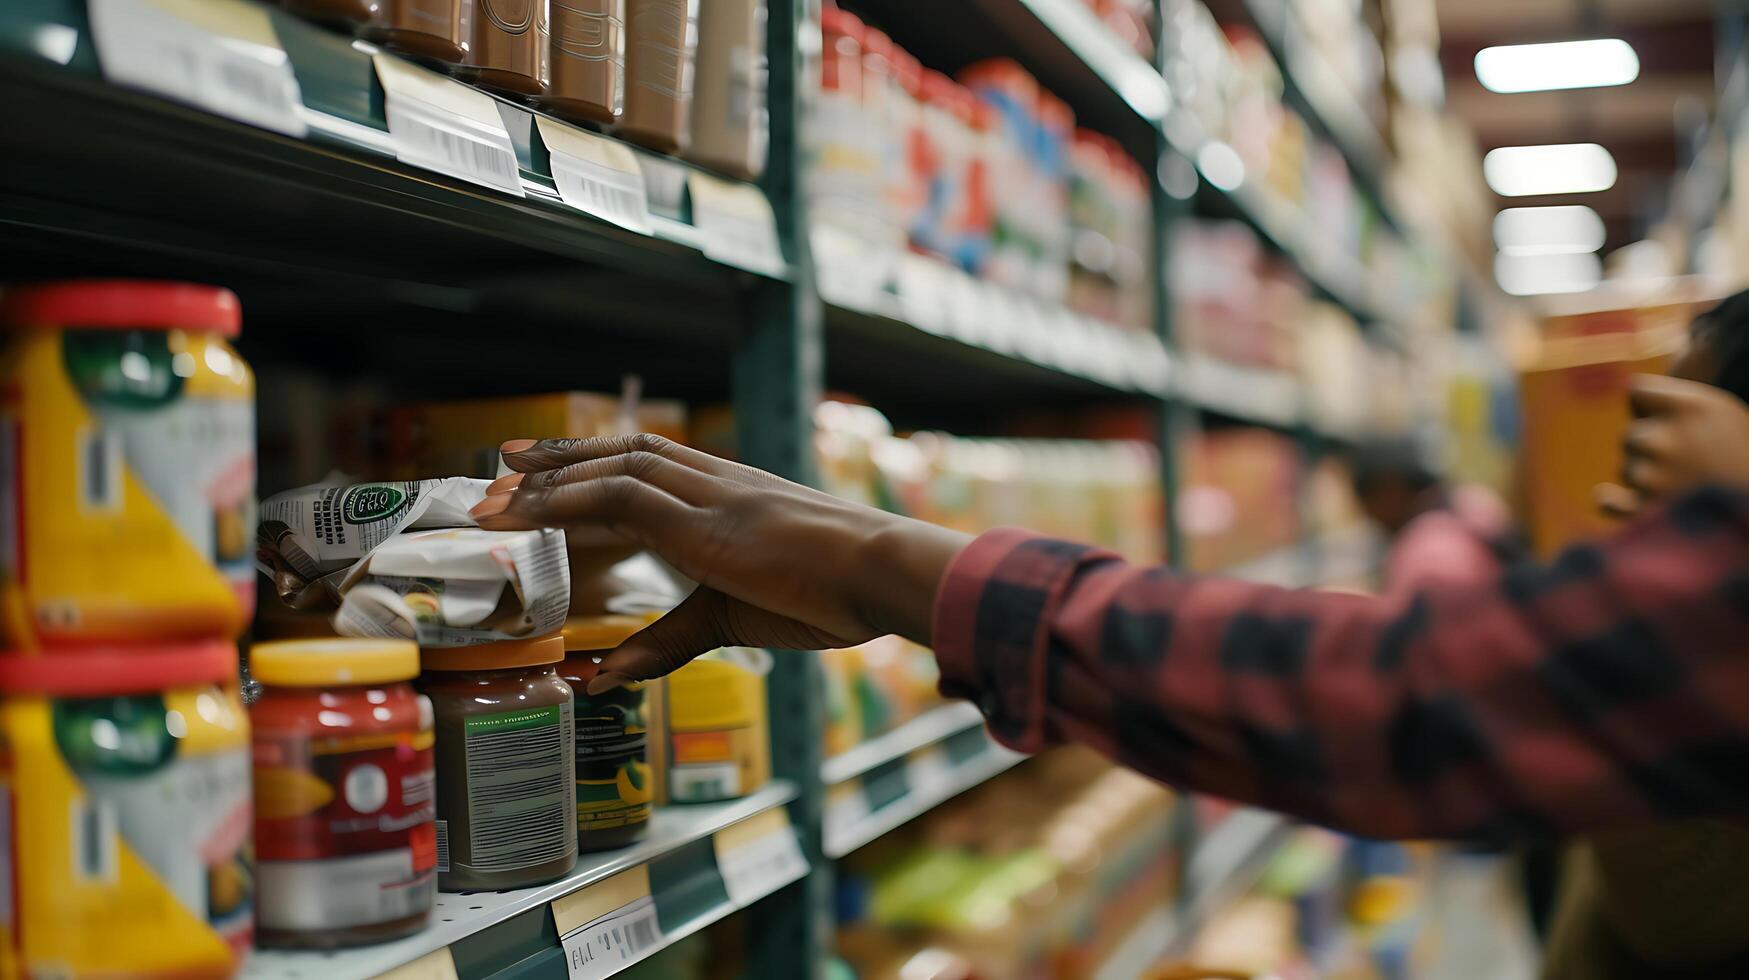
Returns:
(649, 442)
(640, 464)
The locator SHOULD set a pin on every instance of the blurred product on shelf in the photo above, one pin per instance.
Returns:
(1238, 500)
(990, 176)
(127, 772)
(401, 560)
(508, 45)
(713, 728)
(1040, 872)
(464, 436)
(588, 60)
(875, 687)
(506, 763)
(1129, 21)
(426, 30)
(1231, 300)
(129, 430)
(345, 844)
(615, 783)
(1103, 491)
(729, 121)
(661, 48)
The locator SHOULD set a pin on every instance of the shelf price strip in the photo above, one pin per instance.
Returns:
(735, 224)
(609, 925)
(442, 125)
(218, 55)
(597, 176)
(435, 965)
(758, 856)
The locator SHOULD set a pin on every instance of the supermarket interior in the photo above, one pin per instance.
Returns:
(1373, 613)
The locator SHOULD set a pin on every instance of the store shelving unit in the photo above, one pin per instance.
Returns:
(102, 179)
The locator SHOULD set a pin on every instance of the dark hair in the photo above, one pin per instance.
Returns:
(1374, 463)
(1724, 329)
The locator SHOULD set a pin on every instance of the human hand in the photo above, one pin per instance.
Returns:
(777, 564)
(1686, 434)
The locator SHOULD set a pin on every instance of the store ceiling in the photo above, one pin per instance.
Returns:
(1645, 124)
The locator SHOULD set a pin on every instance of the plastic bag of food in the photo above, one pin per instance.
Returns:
(459, 586)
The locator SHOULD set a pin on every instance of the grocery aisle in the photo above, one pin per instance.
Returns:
(1216, 285)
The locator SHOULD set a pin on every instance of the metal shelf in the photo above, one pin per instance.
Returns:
(861, 811)
(481, 928)
(1226, 862)
(920, 732)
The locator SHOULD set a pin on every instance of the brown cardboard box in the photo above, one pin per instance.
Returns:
(461, 438)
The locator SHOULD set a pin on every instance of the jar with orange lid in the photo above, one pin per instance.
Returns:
(127, 508)
(345, 839)
(615, 786)
(506, 805)
(127, 776)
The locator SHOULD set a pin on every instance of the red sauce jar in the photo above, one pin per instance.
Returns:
(345, 843)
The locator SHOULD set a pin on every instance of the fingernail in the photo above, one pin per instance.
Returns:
(517, 446)
(505, 484)
(602, 683)
(492, 506)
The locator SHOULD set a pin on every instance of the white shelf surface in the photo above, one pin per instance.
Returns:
(844, 836)
(459, 915)
(924, 730)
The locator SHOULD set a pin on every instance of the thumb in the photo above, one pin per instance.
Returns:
(696, 626)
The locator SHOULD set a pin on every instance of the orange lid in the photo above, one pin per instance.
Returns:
(122, 304)
(102, 671)
(603, 632)
(503, 655)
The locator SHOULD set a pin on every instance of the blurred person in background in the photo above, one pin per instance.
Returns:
(1461, 535)
(1668, 899)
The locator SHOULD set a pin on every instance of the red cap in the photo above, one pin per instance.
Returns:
(101, 671)
(999, 73)
(910, 72)
(1054, 113)
(983, 115)
(876, 44)
(939, 90)
(123, 304)
(836, 21)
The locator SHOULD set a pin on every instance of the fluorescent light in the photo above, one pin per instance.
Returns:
(1531, 275)
(1557, 168)
(1548, 231)
(1221, 165)
(1563, 64)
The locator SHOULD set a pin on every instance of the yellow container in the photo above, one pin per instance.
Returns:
(127, 498)
(127, 773)
(716, 732)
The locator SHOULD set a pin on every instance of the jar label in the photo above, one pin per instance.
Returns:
(613, 770)
(520, 798)
(344, 829)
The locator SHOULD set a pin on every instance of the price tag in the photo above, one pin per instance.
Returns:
(736, 224)
(597, 175)
(608, 926)
(442, 125)
(758, 856)
(846, 806)
(923, 293)
(435, 965)
(852, 273)
(965, 306)
(1001, 318)
(219, 55)
(1032, 330)
(929, 771)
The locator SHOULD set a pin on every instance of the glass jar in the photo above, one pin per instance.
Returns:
(588, 60)
(506, 771)
(615, 786)
(127, 846)
(129, 425)
(507, 45)
(661, 43)
(425, 29)
(345, 843)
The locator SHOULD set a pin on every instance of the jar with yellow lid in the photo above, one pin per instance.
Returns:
(345, 838)
(127, 845)
(128, 423)
(614, 782)
(506, 771)
(717, 733)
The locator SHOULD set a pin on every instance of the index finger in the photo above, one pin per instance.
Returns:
(1659, 394)
(535, 455)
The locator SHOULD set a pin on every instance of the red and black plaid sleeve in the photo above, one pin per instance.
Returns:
(1609, 686)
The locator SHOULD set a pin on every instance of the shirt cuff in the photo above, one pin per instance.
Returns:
(991, 630)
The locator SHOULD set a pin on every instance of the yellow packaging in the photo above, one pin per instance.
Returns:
(463, 437)
(127, 465)
(716, 742)
(127, 777)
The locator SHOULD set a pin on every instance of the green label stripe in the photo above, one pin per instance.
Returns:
(511, 721)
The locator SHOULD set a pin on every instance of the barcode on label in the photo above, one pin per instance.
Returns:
(521, 791)
(442, 846)
(616, 940)
(608, 194)
(761, 866)
(423, 137)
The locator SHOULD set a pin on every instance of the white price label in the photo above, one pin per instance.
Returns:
(218, 55)
(929, 771)
(442, 125)
(436, 965)
(1001, 327)
(735, 224)
(846, 806)
(605, 946)
(965, 305)
(758, 856)
(852, 274)
(597, 175)
(1032, 330)
(923, 294)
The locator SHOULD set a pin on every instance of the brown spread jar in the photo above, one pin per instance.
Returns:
(615, 786)
(729, 124)
(427, 29)
(506, 810)
(507, 45)
(588, 60)
(661, 41)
